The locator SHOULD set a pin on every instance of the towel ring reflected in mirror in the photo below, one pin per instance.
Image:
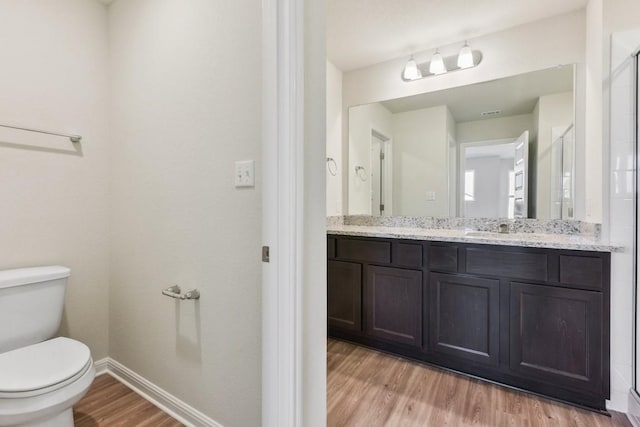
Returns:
(332, 166)
(361, 173)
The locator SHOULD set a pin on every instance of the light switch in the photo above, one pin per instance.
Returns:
(431, 196)
(245, 173)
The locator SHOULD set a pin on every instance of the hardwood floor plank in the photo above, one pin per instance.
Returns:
(111, 403)
(369, 388)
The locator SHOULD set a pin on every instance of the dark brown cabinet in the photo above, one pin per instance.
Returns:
(464, 317)
(514, 263)
(556, 335)
(344, 295)
(531, 318)
(394, 305)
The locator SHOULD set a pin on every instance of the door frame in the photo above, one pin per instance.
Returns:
(636, 252)
(281, 231)
(387, 180)
(294, 214)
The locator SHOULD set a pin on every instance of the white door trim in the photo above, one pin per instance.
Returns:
(283, 102)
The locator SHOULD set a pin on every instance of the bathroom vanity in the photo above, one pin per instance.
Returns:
(533, 315)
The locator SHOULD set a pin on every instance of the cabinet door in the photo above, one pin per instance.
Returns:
(464, 318)
(344, 295)
(556, 335)
(393, 305)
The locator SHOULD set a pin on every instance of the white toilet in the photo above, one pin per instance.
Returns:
(40, 378)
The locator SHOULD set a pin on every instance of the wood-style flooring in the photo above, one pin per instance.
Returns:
(111, 403)
(369, 388)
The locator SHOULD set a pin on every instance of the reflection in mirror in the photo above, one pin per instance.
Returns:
(488, 179)
(503, 148)
(380, 170)
(562, 171)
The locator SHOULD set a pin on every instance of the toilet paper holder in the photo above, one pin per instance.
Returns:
(175, 292)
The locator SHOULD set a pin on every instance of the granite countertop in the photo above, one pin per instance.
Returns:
(532, 240)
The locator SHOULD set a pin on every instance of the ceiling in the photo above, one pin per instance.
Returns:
(511, 96)
(365, 32)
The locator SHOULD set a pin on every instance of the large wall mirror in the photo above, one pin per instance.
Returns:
(503, 148)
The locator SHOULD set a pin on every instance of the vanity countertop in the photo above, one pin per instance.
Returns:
(532, 240)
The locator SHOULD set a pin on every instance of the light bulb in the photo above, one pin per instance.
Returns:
(437, 64)
(411, 70)
(465, 57)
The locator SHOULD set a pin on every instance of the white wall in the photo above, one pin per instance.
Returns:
(552, 111)
(621, 34)
(558, 40)
(362, 120)
(453, 164)
(497, 128)
(491, 187)
(533, 171)
(621, 231)
(621, 226)
(186, 104)
(334, 138)
(420, 159)
(593, 154)
(314, 298)
(53, 76)
(506, 166)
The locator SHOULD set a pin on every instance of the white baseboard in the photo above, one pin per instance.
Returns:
(170, 404)
(634, 409)
(102, 366)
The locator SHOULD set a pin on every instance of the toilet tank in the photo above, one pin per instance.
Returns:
(31, 303)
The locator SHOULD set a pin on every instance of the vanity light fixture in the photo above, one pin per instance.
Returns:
(437, 64)
(465, 57)
(411, 70)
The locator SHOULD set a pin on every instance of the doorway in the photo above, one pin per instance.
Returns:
(487, 166)
(381, 185)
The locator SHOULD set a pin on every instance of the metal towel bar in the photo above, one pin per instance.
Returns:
(175, 292)
(73, 138)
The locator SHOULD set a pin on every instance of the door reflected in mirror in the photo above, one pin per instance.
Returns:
(380, 174)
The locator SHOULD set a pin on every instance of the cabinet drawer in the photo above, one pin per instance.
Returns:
(407, 254)
(443, 258)
(516, 265)
(581, 271)
(364, 250)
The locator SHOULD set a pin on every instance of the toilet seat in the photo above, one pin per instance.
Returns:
(42, 368)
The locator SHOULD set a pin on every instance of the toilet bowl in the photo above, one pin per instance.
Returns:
(40, 378)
